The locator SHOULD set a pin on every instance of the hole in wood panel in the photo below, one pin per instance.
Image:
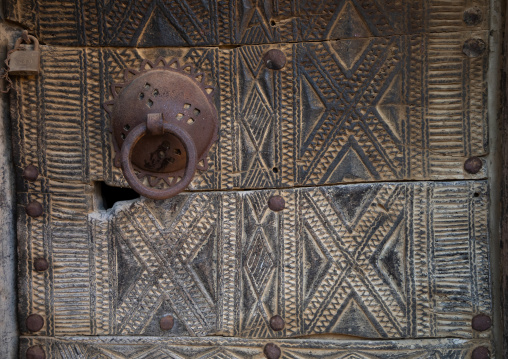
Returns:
(107, 195)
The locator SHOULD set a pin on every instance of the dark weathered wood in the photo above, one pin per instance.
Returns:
(144, 23)
(504, 190)
(8, 263)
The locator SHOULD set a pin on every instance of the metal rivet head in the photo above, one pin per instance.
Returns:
(34, 209)
(272, 351)
(35, 352)
(274, 59)
(474, 47)
(277, 323)
(473, 16)
(473, 165)
(481, 322)
(276, 203)
(167, 322)
(481, 353)
(40, 264)
(34, 322)
(31, 173)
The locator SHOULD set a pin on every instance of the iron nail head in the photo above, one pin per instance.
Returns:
(34, 209)
(276, 203)
(35, 352)
(272, 351)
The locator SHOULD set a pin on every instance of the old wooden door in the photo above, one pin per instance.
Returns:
(374, 132)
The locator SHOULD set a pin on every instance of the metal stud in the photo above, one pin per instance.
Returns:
(481, 353)
(34, 322)
(35, 352)
(41, 265)
(276, 203)
(473, 165)
(473, 16)
(167, 322)
(31, 173)
(272, 351)
(274, 59)
(481, 322)
(277, 323)
(474, 47)
(34, 209)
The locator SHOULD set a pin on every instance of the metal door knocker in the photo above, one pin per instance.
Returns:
(163, 125)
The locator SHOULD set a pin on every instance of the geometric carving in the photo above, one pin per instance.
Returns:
(369, 260)
(353, 317)
(349, 23)
(316, 121)
(189, 23)
(362, 98)
(236, 348)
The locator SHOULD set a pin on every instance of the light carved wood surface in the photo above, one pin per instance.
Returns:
(377, 109)
(402, 260)
(372, 91)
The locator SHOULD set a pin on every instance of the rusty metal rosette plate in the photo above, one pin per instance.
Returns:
(163, 123)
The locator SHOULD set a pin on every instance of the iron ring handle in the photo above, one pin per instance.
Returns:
(130, 142)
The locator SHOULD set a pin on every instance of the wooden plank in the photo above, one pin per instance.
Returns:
(8, 259)
(203, 23)
(200, 348)
(365, 110)
(504, 188)
(392, 260)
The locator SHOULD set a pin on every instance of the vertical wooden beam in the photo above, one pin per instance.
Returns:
(8, 321)
(504, 188)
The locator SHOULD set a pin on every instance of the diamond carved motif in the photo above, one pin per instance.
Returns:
(259, 261)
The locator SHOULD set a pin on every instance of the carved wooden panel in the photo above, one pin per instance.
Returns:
(372, 91)
(374, 109)
(143, 347)
(394, 260)
(210, 22)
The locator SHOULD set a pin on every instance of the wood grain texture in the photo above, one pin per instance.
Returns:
(394, 260)
(504, 186)
(198, 23)
(374, 109)
(146, 347)
(8, 260)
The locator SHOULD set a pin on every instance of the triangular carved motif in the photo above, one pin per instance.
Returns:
(350, 168)
(128, 269)
(349, 52)
(159, 27)
(349, 23)
(313, 108)
(352, 202)
(391, 107)
(392, 259)
(203, 265)
(354, 320)
(316, 264)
